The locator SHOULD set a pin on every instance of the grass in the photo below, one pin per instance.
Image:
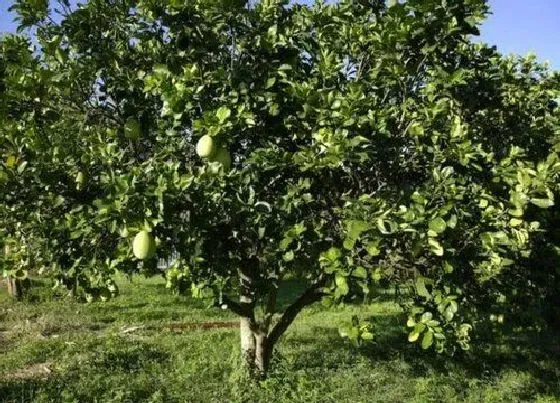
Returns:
(122, 351)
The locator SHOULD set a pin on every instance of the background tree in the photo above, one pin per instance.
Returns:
(356, 144)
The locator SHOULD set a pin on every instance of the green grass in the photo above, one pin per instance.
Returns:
(91, 358)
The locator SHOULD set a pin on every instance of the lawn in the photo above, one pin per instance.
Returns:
(148, 345)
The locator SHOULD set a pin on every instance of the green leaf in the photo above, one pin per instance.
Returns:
(372, 249)
(359, 272)
(457, 127)
(21, 167)
(340, 281)
(288, 256)
(270, 82)
(421, 289)
(435, 247)
(356, 228)
(452, 307)
(416, 129)
(452, 222)
(448, 315)
(382, 226)
(349, 243)
(413, 336)
(426, 316)
(332, 254)
(418, 198)
(427, 340)
(437, 225)
(515, 222)
(223, 113)
(543, 203)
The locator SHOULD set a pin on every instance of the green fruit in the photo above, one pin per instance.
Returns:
(143, 246)
(132, 129)
(222, 156)
(206, 146)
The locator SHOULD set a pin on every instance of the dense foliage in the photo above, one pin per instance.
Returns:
(370, 144)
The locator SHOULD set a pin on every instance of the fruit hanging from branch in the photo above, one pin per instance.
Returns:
(206, 146)
(144, 245)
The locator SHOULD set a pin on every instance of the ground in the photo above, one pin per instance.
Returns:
(149, 345)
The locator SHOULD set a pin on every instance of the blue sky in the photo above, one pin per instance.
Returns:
(516, 26)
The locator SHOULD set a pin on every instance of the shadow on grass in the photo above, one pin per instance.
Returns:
(532, 353)
(112, 366)
(132, 358)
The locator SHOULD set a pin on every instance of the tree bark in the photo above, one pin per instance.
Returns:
(255, 349)
(248, 342)
(257, 339)
(15, 288)
(263, 352)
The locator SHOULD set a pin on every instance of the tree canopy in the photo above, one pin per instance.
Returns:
(349, 145)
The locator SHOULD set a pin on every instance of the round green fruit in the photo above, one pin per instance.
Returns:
(222, 156)
(144, 245)
(132, 129)
(206, 146)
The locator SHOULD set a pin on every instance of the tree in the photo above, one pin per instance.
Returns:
(369, 144)
(18, 89)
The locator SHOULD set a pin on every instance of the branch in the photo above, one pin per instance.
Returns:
(242, 309)
(310, 296)
(360, 67)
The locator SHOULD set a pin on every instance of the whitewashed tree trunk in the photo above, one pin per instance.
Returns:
(15, 288)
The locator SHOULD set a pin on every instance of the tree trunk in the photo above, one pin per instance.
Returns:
(255, 349)
(248, 342)
(15, 288)
(257, 339)
(263, 353)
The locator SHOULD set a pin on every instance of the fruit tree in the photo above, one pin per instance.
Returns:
(348, 145)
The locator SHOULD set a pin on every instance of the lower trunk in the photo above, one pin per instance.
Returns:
(255, 349)
(15, 288)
